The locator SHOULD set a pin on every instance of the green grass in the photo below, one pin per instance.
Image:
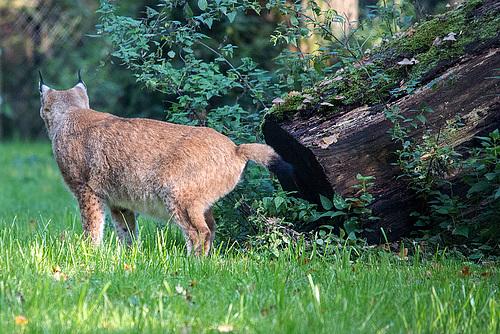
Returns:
(52, 282)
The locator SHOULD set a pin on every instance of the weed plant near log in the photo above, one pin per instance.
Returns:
(52, 281)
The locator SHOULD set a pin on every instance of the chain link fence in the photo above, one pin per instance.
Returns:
(37, 34)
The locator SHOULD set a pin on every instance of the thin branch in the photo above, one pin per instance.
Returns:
(247, 84)
(268, 222)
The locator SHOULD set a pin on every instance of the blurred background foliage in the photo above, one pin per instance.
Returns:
(59, 37)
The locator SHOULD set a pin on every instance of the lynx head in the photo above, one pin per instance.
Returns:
(56, 103)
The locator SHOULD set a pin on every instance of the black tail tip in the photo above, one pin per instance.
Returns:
(281, 168)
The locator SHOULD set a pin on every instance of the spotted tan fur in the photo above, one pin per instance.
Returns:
(144, 166)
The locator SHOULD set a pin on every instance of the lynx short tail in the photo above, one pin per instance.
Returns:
(265, 156)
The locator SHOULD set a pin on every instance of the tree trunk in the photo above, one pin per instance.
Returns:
(363, 144)
(347, 9)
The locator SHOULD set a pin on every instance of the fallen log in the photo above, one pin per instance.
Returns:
(463, 87)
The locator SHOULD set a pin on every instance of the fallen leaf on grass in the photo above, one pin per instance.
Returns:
(225, 328)
(108, 325)
(403, 254)
(128, 267)
(437, 266)
(20, 320)
(58, 274)
(179, 289)
(464, 272)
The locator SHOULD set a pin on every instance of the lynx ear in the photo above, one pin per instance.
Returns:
(41, 86)
(80, 81)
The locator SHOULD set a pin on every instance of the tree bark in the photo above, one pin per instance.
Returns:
(364, 145)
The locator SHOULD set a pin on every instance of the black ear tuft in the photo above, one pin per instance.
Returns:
(80, 79)
(41, 81)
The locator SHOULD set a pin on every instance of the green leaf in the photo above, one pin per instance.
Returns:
(171, 54)
(443, 210)
(202, 4)
(421, 118)
(325, 202)
(366, 197)
(478, 187)
(231, 16)
(495, 135)
(208, 21)
(327, 227)
(497, 193)
(364, 178)
(341, 233)
(317, 67)
(278, 201)
(462, 230)
(294, 21)
(336, 214)
(339, 202)
(490, 176)
(188, 11)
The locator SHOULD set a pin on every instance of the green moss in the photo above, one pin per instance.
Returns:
(470, 30)
(281, 110)
(474, 24)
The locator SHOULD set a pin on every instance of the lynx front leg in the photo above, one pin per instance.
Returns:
(92, 213)
(124, 223)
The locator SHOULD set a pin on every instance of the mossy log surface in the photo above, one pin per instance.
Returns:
(461, 87)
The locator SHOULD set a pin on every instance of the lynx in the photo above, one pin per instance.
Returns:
(144, 166)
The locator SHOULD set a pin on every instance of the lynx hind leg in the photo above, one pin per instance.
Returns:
(124, 223)
(196, 231)
(209, 219)
(92, 214)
